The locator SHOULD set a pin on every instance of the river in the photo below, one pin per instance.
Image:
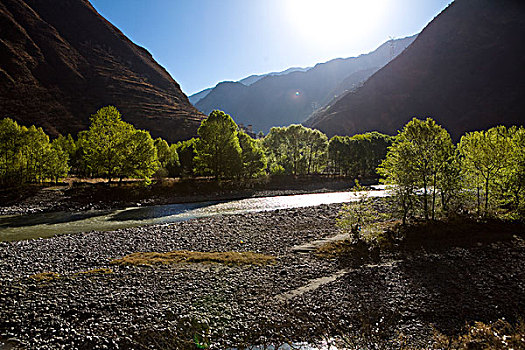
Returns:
(30, 226)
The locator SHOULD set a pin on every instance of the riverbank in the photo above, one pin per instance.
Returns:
(79, 196)
(299, 297)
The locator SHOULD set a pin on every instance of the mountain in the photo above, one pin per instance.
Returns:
(465, 69)
(276, 100)
(199, 95)
(60, 61)
(245, 81)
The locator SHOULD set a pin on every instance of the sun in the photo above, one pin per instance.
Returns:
(328, 23)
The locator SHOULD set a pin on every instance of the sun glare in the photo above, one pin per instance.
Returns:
(331, 23)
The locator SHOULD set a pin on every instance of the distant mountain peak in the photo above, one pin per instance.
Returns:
(290, 96)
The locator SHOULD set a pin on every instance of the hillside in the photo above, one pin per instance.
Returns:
(465, 70)
(61, 61)
(290, 98)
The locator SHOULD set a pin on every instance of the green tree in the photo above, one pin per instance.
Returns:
(186, 154)
(10, 145)
(315, 150)
(140, 156)
(113, 148)
(56, 162)
(217, 150)
(252, 155)
(397, 170)
(296, 149)
(484, 157)
(168, 157)
(416, 159)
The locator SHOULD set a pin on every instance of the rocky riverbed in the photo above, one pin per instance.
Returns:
(183, 306)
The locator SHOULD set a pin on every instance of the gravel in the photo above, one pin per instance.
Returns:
(162, 307)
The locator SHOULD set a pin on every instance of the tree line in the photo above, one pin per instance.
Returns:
(427, 171)
(114, 149)
(484, 173)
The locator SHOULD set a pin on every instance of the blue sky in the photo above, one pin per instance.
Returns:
(203, 42)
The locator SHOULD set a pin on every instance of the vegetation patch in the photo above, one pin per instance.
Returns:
(45, 276)
(183, 256)
(498, 335)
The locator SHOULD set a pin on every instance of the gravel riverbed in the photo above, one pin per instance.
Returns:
(162, 307)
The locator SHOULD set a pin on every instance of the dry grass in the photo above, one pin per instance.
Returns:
(183, 256)
(334, 249)
(499, 335)
(45, 276)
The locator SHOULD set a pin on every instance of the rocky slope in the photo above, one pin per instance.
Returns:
(61, 61)
(284, 99)
(465, 69)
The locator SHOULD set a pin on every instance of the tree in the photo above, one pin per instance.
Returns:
(431, 147)
(140, 156)
(186, 153)
(296, 149)
(315, 150)
(252, 155)
(415, 160)
(358, 155)
(217, 150)
(397, 170)
(484, 157)
(10, 144)
(168, 157)
(56, 163)
(113, 148)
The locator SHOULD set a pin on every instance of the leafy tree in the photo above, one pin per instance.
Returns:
(56, 163)
(168, 157)
(358, 155)
(514, 183)
(484, 157)
(252, 156)
(431, 147)
(397, 170)
(186, 154)
(10, 144)
(114, 148)
(417, 159)
(315, 150)
(28, 156)
(140, 156)
(337, 153)
(296, 149)
(357, 215)
(217, 150)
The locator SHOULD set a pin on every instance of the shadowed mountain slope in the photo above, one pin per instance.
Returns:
(60, 61)
(277, 100)
(465, 70)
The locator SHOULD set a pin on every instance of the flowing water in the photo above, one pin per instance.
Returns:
(29, 226)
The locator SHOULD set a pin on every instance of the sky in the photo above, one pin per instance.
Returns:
(203, 42)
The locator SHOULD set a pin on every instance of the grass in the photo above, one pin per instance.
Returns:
(183, 256)
(50, 276)
(45, 276)
(498, 335)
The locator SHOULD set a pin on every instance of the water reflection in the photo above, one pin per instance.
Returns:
(29, 226)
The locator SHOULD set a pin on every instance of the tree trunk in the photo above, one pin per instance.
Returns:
(425, 198)
(486, 196)
(434, 196)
